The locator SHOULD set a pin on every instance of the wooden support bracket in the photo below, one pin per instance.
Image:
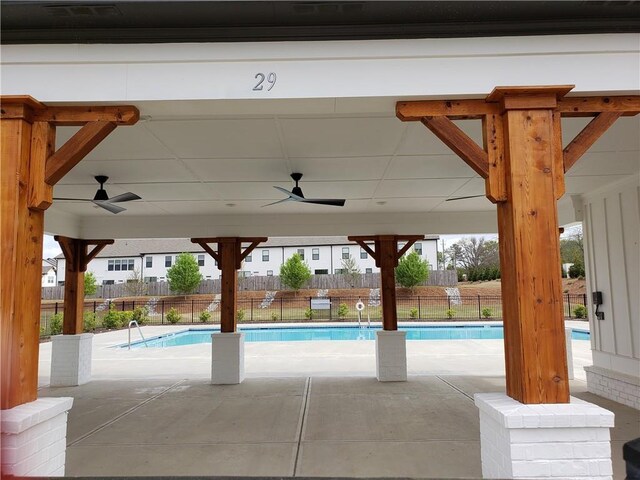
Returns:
(587, 137)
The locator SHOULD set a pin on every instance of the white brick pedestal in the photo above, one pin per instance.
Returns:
(391, 356)
(34, 438)
(562, 440)
(615, 386)
(71, 359)
(227, 358)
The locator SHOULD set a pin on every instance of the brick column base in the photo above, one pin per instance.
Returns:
(34, 438)
(536, 441)
(391, 356)
(227, 358)
(71, 360)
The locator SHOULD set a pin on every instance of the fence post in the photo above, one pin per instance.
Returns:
(569, 304)
(281, 319)
(56, 308)
(192, 311)
(251, 314)
(162, 314)
(419, 309)
(479, 310)
(330, 308)
(94, 306)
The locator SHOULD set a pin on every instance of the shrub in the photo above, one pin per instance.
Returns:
(89, 321)
(413, 313)
(580, 311)
(90, 283)
(576, 270)
(113, 318)
(450, 313)
(55, 325)
(486, 312)
(173, 316)
(412, 270)
(308, 313)
(343, 310)
(140, 315)
(274, 316)
(184, 277)
(204, 316)
(240, 314)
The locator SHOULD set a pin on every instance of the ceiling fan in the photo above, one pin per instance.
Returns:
(463, 198)
(102, 200)
(295, 195)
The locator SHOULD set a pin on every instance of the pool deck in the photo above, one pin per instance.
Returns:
(306, 409)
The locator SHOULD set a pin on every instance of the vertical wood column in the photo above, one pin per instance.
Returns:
(77, 258)
(22, 225)
(387, 261)
(229, 252)
(536, 363)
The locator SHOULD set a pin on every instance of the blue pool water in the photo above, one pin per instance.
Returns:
(293, 334)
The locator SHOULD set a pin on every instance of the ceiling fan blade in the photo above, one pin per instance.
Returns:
(335, 202)
(462, 198)
(109, 207)
(74, 199)
(125, 197)
(288, 199)
(288, 193)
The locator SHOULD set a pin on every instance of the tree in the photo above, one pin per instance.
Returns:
(135, 285)
(294, 273)
(412, 270)
(572, 248)
(184, 277)
(350, 270)
(90, 284)
(476, 253)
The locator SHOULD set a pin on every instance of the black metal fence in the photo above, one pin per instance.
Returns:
(297, 309)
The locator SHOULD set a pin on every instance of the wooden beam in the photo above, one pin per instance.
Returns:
(460, 143)
(229, 252)
(387, 250)
(587, 137)
(209, 250)
(364, 246)
(76, 116)
(21, 233)
(530, 94)
(558, 156)
(99, 246)
(493, 139)
(43, 140)
(536, 363)
(589, 106)
(250, 249)
(75, 149)
(454, 109)
(407, 246)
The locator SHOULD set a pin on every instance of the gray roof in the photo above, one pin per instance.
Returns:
(145, 246)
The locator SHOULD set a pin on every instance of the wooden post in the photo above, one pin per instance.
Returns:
(386, 255)
(536, 360)
(76, 258)
(229, 257)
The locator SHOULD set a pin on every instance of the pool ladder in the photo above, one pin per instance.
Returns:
(133, 322)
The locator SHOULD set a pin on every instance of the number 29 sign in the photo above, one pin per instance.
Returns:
(265, 81)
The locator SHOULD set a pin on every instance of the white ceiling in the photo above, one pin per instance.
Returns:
(186, 160)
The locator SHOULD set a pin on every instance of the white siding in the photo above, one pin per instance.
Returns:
(612, 257)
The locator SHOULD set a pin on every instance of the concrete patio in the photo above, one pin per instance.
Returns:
(306, 409)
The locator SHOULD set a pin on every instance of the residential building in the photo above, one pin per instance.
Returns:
(49, 273)
(151, 258)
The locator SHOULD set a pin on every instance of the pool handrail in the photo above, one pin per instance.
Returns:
(134, 322)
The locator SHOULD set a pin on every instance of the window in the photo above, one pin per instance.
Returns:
(345, 253)
(363, 253)
(269, 273)
(201, 260)
(248, 258)
(50, 280)
(368, 270)
(301, 253)
(108, 282)
(418, 248)
(116, 265)
(110, 266)
(323, 271)
(148, 262)
(167, 261)
(132, 264)
(315, 254)
(265, 255)
(150, 279)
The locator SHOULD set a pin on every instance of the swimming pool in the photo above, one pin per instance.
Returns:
(296, 334)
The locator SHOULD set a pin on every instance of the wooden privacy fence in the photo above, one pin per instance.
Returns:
(444, 278)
